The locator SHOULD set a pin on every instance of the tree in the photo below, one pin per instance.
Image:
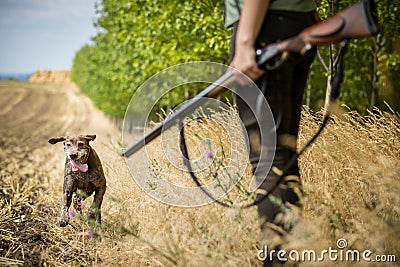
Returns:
(137, 39)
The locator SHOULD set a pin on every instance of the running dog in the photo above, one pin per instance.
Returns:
(83, 176)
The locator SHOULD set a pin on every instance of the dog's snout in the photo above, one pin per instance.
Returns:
(73, 155)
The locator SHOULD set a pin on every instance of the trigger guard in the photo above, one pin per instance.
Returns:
(276, 62)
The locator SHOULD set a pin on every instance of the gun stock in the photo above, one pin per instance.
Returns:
(357, 21)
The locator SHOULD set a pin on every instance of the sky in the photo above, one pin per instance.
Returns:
(43, 34)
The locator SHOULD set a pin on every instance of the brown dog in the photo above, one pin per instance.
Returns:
(83, 176)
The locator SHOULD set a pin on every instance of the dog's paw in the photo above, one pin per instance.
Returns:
(62, 222)
(91, 214)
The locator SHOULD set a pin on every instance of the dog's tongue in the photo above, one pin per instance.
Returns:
(76, 166)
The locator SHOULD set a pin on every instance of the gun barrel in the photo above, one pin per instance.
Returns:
(212, 91)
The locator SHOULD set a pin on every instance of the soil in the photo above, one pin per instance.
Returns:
(52, 76)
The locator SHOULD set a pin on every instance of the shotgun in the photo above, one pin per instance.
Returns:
(357, 21)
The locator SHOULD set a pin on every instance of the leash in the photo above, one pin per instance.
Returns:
(333, 95)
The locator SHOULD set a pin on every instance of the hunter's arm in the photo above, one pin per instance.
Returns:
(251, 19)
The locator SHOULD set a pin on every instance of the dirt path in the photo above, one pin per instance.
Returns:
(31, 113)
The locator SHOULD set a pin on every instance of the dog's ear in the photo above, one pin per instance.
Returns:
(56, 140)
(90, 137)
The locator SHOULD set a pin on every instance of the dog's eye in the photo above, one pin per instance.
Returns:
(80, 144)
(68, 144)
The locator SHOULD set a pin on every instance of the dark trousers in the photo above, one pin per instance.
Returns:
(283, 89)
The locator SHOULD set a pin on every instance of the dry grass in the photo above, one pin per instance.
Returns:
(350, 176)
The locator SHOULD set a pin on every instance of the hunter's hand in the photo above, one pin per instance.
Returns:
(244, 62)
